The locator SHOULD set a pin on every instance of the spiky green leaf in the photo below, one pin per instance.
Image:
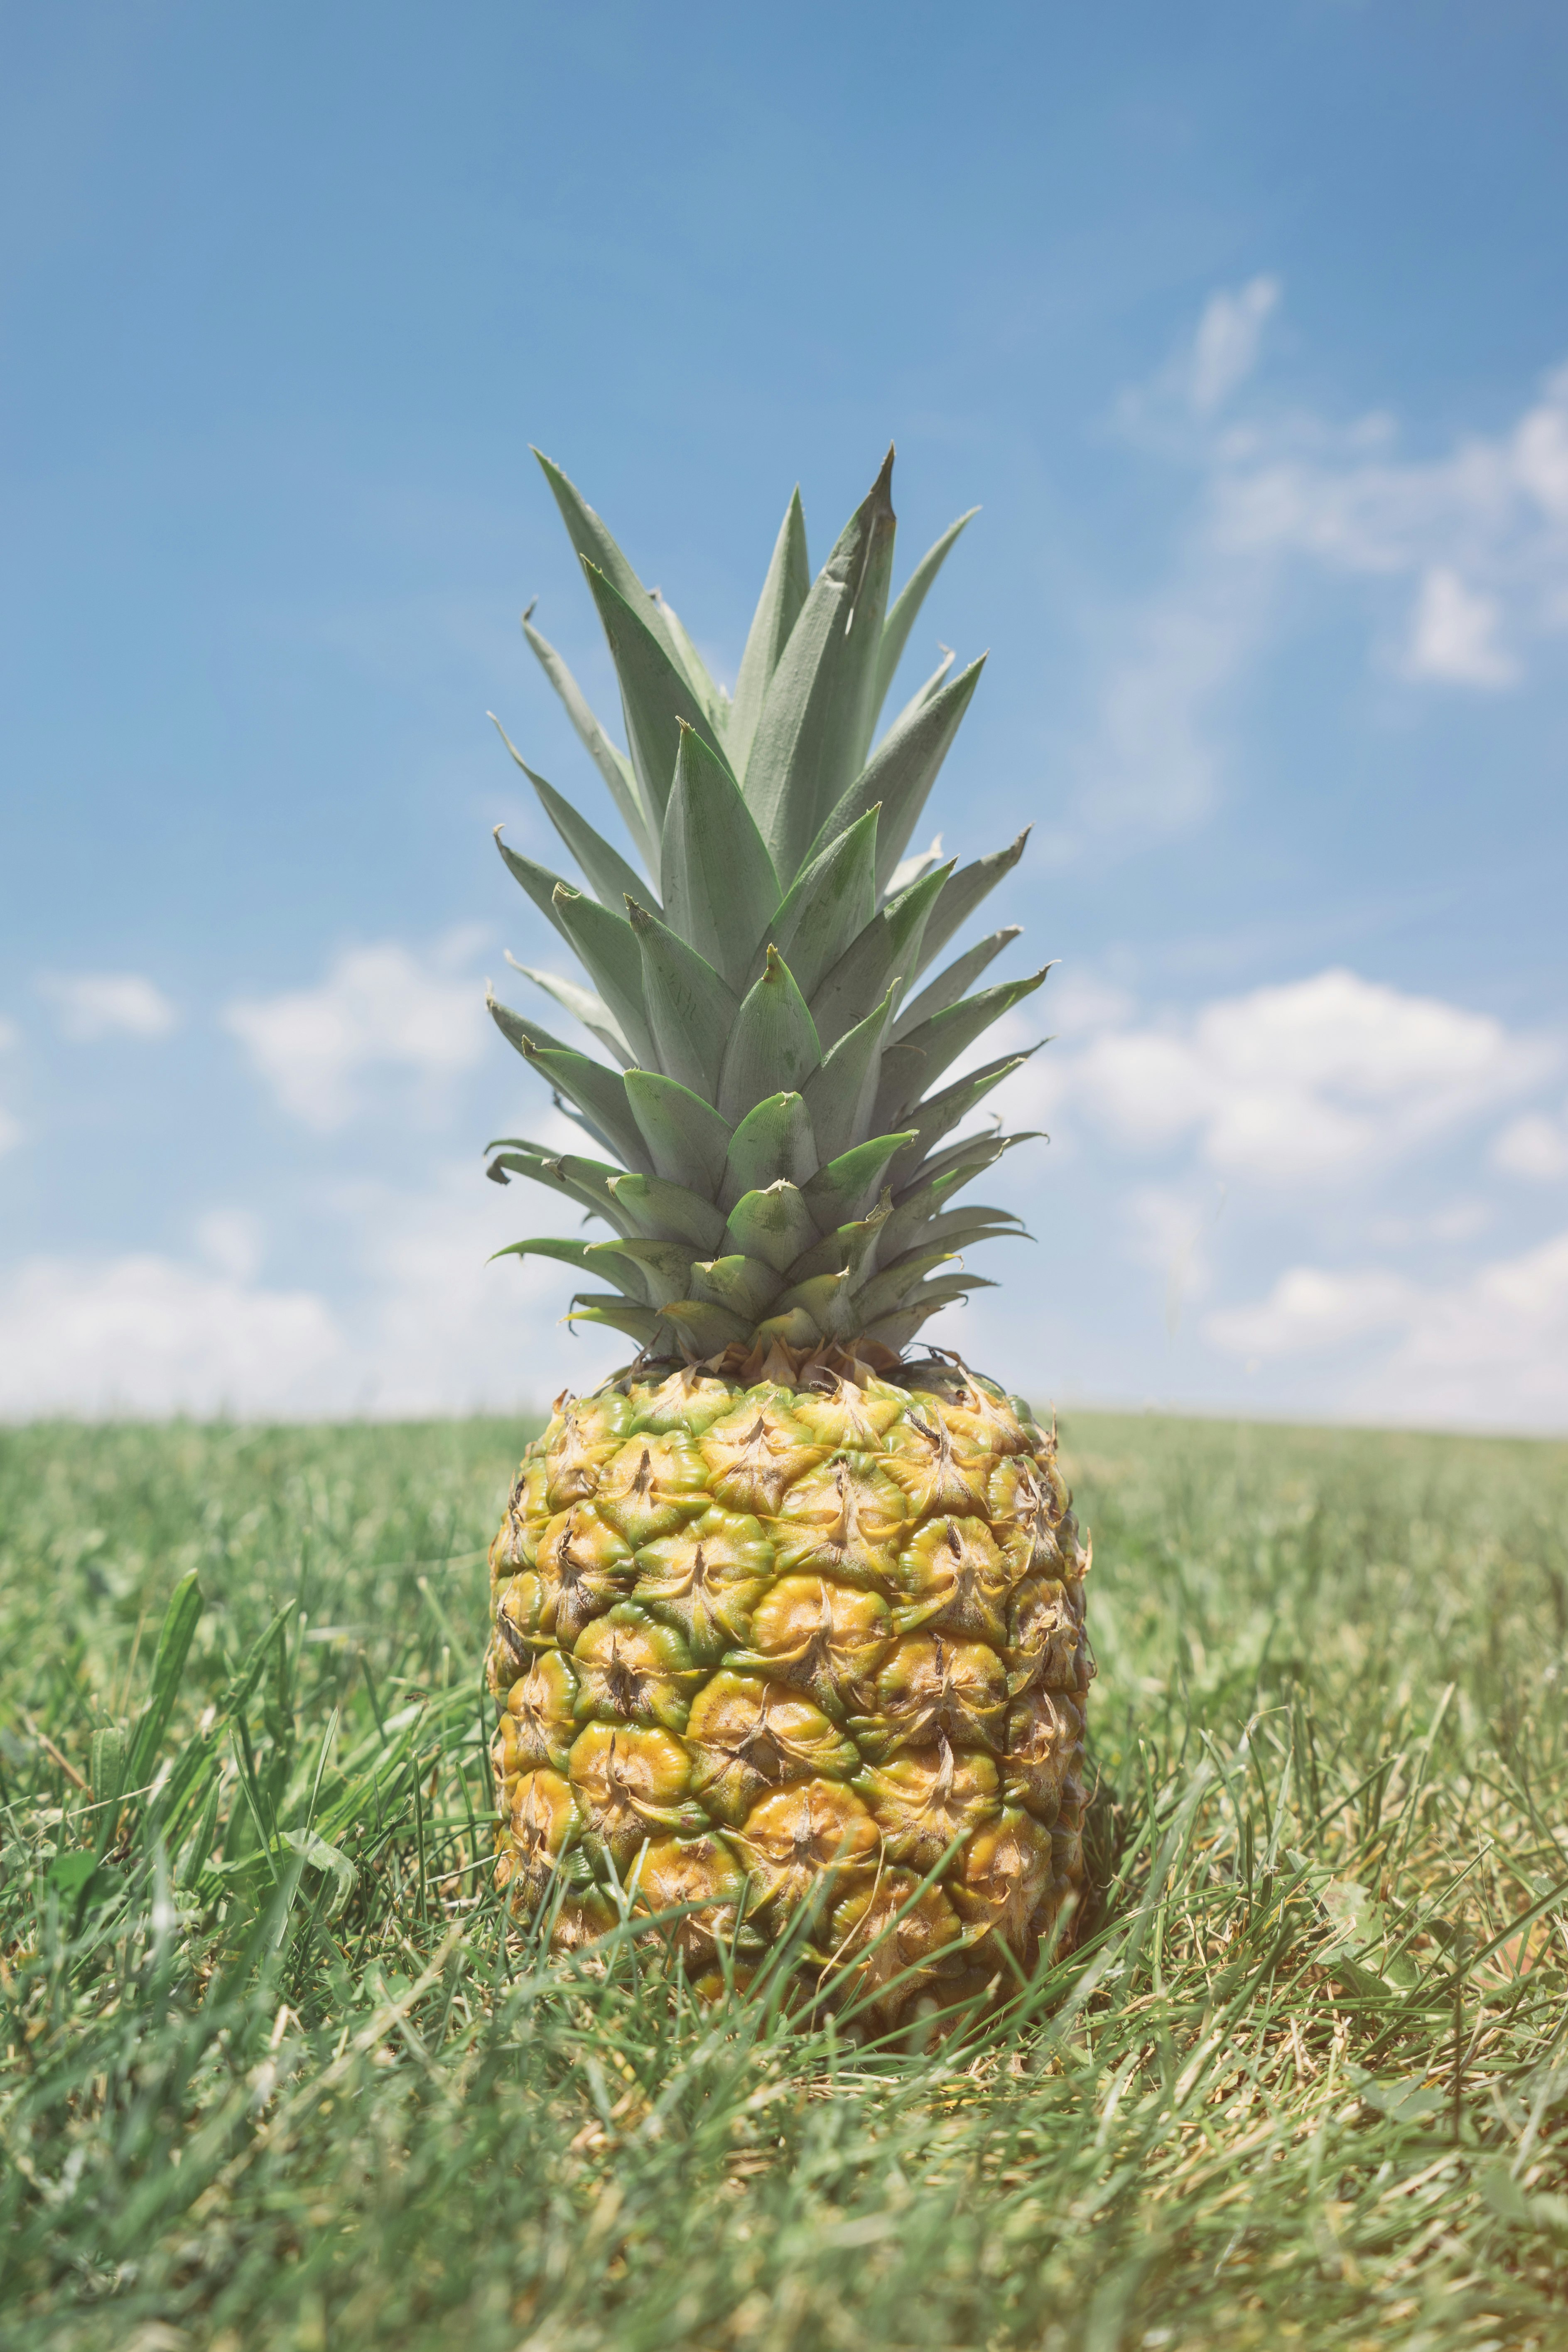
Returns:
(905, 607)
(685, 1135)
(844, 1190)
(657, 696)
(524, 1036)
(702, 1328)
(899, 776)
(639, 1323)
(925, 1053)
(586, 1182)
(883, 957)
(607, 944)
(610, 1260)
(600, 1094)
(949, 984)
(775, 1138)
(690, 1010)
(968, 886)
(773, 1047)
(891, 1287)
(720, 887)
(840, 1094)
(940, 1113)
(582, 1004)
(830, 902)
(774, 1224)
(607, 874)
(659, 1210)
(802, 753)
(747, 1286)
(715, 706)
(611, 762)
(538, 880)
(961, 1162)
(784, 591)
(662, 1267)
(595, 545)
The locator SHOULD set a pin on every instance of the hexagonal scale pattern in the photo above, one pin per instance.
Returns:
(757, 1642)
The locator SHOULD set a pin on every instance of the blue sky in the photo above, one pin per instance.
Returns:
(1246, 329)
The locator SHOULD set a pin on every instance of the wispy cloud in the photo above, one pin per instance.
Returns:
(1328, 1078)
(90, 1006)
(1308, 1162)
(1154, 761)
(1490, 1349)
(1454, 634)
(422, 1321)
(1458, 564)
(1227, 344)
(146, 1334)
(1534, 1147)
(1475, 539)
(380, 1011)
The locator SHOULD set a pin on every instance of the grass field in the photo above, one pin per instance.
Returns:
(276, 2074)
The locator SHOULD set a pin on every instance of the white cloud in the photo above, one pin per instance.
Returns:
(1225, 346)
(379, 1009)
(1492, 1349)
(1460, 561)
(231, 1240)
(1168, 1231)
(1455, 1220)
(144, 1335)
(1535, 1146)
(1309, 1309)
(1326, 1077)
(1153, 761)
(425, 1323)
(1454, 634)
(1480, 533)
(89, 1005)
(1489, 1351)
(452, 1331)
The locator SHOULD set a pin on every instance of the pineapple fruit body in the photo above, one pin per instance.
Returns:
(788, 1627)
(814, 1636)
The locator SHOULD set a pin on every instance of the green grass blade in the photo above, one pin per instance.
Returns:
(174, 1638)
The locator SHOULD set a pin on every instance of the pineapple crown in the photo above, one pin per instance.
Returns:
(775, 1165)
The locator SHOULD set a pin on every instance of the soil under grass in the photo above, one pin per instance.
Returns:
(274, 2072)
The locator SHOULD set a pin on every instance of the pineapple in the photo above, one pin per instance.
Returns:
(788, 1625)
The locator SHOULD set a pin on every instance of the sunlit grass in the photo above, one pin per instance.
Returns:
(276, 2073)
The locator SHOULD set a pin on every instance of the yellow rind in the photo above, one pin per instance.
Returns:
(814, 1637)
